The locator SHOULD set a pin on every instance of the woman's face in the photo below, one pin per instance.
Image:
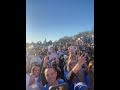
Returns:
(36, 71)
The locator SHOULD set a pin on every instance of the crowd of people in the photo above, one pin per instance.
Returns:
(71, 63)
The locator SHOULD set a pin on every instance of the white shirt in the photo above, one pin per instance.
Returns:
(33, 86)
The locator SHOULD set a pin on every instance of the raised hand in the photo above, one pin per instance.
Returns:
(45, 60)
(32, 79)
(82, 58)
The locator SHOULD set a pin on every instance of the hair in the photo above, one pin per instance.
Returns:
(49, 68)
(71, 56)
(91, 63)
(68, 65)
(32, 69)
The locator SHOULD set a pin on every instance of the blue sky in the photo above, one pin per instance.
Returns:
(53, 19)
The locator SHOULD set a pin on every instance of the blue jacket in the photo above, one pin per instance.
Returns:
(70, 83)
(88, 81)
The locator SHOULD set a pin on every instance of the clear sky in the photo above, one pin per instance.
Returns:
(53, 19)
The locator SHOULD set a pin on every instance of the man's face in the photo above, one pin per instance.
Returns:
(50, 75)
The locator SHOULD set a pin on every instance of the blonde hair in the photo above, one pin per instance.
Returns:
(68, 65)
(71, 57)
(91, 63)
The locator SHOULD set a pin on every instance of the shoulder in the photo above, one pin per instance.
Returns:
(60, 81)
(80, 86)
(46, 87)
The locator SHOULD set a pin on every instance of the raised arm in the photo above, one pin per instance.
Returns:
(77, 67)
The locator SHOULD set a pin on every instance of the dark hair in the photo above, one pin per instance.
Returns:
(49, 68)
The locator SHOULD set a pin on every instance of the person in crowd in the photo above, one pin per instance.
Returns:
(54, 64)
(72, 50)
(90, 76)
(65, 58)
(77, 53)
(35, 58)
(57, 68)
(60, 52)
(51, 74)
(74, 74)
(51, 49)
(45, 65)
(61, 62)
(43, 53)
(33, 80)
(61, 66)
